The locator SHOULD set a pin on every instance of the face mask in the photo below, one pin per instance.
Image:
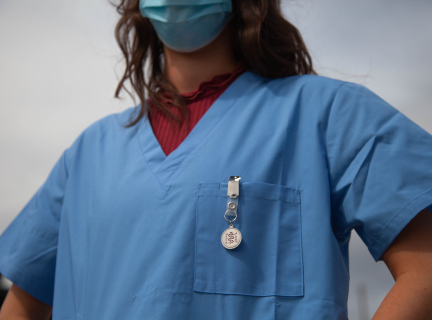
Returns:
(187, 25)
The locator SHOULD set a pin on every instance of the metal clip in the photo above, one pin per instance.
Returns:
(233, 186)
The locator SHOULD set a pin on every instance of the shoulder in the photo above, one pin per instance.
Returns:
(322, 94)
(331, 105)
(111, 123)
(103, 133)
(311, 85)
(309, 90)
(314, 97)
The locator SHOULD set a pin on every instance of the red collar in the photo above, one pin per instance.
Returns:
(217, 83)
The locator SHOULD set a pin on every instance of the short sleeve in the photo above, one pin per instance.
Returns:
(28, 246)
(380, 167)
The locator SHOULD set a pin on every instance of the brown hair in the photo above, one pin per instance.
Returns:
(265, 43)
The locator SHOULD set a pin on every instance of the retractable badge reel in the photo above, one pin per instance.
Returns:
(232, 237)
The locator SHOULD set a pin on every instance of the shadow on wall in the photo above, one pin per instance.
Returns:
(4, 288)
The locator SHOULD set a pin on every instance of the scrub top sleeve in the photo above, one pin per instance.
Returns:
(380, 167)
(28, 246)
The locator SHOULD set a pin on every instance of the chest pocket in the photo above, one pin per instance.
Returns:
(268, 261)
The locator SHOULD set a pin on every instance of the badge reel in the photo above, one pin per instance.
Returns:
(232, 237)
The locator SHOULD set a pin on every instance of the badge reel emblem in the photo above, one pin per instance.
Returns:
(232, 237)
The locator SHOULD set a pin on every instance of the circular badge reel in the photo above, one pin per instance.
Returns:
(231, 237)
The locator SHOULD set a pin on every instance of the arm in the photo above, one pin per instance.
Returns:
(19, 305)
(409, 259)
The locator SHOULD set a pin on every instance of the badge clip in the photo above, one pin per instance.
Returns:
(232, 237)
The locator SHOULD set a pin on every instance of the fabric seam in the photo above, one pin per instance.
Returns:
(391, 221)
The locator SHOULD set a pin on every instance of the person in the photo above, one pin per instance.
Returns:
(231, 190)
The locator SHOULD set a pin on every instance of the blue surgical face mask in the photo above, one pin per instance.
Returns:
(187, 25)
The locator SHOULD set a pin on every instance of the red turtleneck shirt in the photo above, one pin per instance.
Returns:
(198, 102)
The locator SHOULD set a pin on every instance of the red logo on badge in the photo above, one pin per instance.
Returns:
(231, 237)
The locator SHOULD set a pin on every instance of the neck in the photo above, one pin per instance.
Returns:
(187, 70)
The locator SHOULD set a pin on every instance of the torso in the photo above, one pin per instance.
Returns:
(143, 230)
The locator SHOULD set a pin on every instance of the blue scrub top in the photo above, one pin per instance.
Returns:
(121, 231)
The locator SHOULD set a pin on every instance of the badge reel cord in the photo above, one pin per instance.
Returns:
(232, 237)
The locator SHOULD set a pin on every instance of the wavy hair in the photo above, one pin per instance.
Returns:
(264, 41)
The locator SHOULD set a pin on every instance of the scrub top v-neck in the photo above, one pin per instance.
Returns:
(197, 102)
(121, 231)
(166, 168)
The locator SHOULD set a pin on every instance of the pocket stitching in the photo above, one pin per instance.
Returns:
(215, 192)
(301, 241)
(196, 231)
(284, 193)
